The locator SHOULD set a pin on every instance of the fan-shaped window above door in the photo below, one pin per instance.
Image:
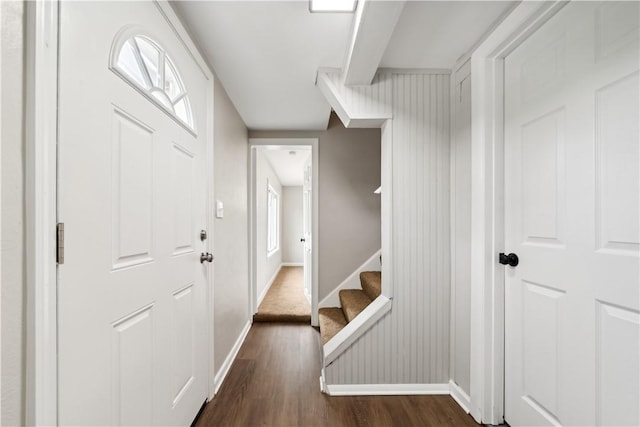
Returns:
(145, 65)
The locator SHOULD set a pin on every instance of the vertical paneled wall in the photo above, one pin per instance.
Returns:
(410, 345)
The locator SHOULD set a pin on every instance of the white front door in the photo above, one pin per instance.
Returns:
(132, 291)
(307, 226)
(572, 196)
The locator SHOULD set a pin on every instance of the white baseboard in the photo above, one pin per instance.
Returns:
(292, 264)
(352, 281)
(385, 389)
(460, 396)
(266, 288)
(224, 369)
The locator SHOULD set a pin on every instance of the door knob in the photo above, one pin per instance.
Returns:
(206, 257)
(303, 240)
(511, 259)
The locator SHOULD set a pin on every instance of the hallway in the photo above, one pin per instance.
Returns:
(274, 382)
(285, 300)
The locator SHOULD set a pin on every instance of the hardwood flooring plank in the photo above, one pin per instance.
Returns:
(274, 383)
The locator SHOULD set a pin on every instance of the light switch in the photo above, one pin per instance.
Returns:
(219, 209)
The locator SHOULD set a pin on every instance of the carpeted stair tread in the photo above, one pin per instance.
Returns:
(353, 301)
(331, 322)
(371, 282)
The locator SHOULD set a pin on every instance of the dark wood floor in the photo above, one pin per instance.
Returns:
(274, 382)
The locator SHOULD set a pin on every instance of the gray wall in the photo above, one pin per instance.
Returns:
(461, 230)
(230, 234)
(348, 211)
(13, 278)
(292, 225)
(267, 266)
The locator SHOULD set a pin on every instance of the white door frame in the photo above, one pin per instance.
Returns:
(253, 261)
(41, 202)
(487, 205)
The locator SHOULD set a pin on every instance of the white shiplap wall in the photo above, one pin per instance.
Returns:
(410, 345)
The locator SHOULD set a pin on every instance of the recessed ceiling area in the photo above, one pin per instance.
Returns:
(267, 53)
(289, 167)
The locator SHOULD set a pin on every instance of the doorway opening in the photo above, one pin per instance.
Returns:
(282, 220)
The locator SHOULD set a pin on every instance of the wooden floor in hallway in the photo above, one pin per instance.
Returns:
(274, 382)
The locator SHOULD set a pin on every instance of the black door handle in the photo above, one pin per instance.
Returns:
(303, 240)
(511, 259)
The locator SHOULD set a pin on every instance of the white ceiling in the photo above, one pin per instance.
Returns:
(289, 167)
(434, 34)
(266, 53)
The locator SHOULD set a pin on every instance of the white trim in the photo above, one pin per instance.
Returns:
(487, 206)
(1, 215)
(355, 329)
(211, 218)
(459, 396)
(292, 264)
(1, 241)
(41, 187)
(323, 383)
(266, 288)
(276, 248)
(228, 361)
(352, 281)
(289, 143)
(419, 71)
(385, 389)
(386, 208)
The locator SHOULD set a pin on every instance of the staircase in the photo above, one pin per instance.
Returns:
(352, 302)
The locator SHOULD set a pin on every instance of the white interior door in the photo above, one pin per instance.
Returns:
(132, 291)
(307, 227)
(572, 211)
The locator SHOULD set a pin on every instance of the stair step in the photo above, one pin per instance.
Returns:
(353, 301)
(371, 282)
(332, 321)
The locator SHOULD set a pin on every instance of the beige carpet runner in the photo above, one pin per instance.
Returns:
(352, 302)
(285, 300)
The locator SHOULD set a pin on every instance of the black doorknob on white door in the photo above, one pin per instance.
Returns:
(206, 257)
(303, 240)
(511, 259)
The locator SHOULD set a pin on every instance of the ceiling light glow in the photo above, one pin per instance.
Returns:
(332, 5)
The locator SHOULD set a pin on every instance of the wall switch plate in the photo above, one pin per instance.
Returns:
(219, 209)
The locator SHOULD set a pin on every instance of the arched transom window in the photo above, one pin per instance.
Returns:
(143, 63)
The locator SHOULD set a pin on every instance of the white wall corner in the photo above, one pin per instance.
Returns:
(352, 281)
(460, 396)
(226, 366)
